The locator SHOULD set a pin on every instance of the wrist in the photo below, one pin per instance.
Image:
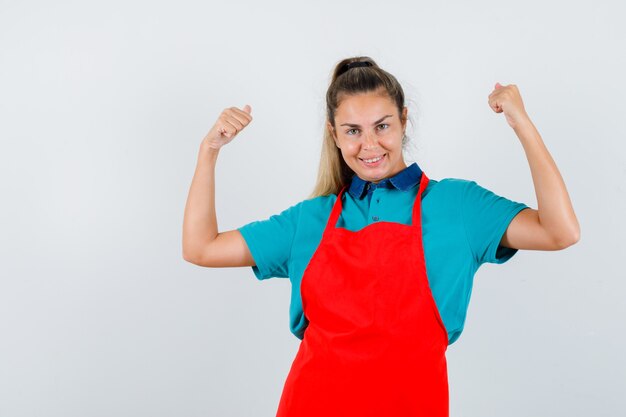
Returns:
(208, 151)
(524, 124)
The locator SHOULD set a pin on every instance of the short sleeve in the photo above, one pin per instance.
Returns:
(269, 242)
(486, 217)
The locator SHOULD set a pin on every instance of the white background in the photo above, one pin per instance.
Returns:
(102, 110)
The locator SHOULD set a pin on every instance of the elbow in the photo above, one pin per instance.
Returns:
(200, 254)
(191, 256)
(198, 257)
(568, 240)
(192, 251)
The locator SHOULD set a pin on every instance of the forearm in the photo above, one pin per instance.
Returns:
(200, 220)
(554, 207)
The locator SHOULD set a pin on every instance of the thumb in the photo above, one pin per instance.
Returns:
(498, 85)
(247, 109)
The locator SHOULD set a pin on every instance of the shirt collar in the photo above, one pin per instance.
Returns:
(403, 181)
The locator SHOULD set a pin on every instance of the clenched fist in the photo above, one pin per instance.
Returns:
(229, 123)
(508, 100)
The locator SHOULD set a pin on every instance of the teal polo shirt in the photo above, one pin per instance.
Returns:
(462, 225)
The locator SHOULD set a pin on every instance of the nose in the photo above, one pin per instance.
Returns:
(370, 141)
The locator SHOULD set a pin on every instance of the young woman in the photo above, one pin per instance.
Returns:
(380, 257)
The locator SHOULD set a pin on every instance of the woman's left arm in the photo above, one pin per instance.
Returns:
(554, 225)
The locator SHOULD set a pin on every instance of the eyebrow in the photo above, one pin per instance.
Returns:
(375, 123)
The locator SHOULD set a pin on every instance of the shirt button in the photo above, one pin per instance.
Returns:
(375, 218)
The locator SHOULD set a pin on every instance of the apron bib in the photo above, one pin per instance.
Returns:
(375, 343)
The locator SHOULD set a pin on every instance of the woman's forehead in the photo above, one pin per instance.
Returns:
(365, 107)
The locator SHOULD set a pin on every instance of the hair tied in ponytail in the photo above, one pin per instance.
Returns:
(355, 64)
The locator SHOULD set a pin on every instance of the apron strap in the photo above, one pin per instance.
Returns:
(417, 204)
(336, 211)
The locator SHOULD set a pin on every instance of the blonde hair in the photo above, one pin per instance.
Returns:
(333, 172)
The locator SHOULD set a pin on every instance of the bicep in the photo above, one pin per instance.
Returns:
(526, 232)
(228, 249)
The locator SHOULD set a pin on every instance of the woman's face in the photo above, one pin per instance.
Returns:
(369, 133)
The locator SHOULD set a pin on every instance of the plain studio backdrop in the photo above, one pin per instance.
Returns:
(103, 106)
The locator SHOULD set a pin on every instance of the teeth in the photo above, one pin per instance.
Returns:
(369, 161)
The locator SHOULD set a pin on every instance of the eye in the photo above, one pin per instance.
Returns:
(383, 124)
(348, 132)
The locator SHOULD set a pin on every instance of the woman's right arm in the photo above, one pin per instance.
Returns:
(202, 243)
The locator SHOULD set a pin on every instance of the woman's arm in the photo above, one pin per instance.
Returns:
(202, 243)
(554, 225)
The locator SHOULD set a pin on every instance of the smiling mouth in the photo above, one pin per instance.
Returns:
(373, 159)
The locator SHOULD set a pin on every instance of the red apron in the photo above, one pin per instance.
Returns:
(375, 343)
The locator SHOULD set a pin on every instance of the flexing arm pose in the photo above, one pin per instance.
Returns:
(554, 225)
(202, 243)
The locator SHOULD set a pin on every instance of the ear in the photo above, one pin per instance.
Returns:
(405, 111)
(333, 133)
